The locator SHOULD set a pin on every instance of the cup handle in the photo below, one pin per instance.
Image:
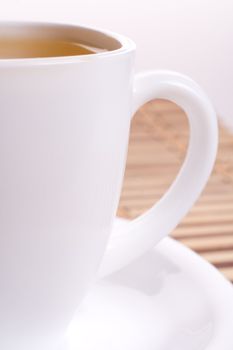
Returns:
(144, 232)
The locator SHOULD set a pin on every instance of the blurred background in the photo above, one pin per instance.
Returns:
(195, 38)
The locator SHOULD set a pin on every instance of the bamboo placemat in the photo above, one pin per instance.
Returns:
(158, 140)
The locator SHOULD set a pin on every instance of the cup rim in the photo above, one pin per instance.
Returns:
(126, 45)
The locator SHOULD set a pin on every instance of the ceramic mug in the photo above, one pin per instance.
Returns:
(64, 130)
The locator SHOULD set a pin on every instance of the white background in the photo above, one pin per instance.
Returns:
(191, 36)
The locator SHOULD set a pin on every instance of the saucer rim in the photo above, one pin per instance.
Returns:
(220, 296)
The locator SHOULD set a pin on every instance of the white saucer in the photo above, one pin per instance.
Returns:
(170, 299)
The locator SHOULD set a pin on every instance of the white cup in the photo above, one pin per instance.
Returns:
(64, 130)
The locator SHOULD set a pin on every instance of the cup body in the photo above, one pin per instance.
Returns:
(64, 126)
